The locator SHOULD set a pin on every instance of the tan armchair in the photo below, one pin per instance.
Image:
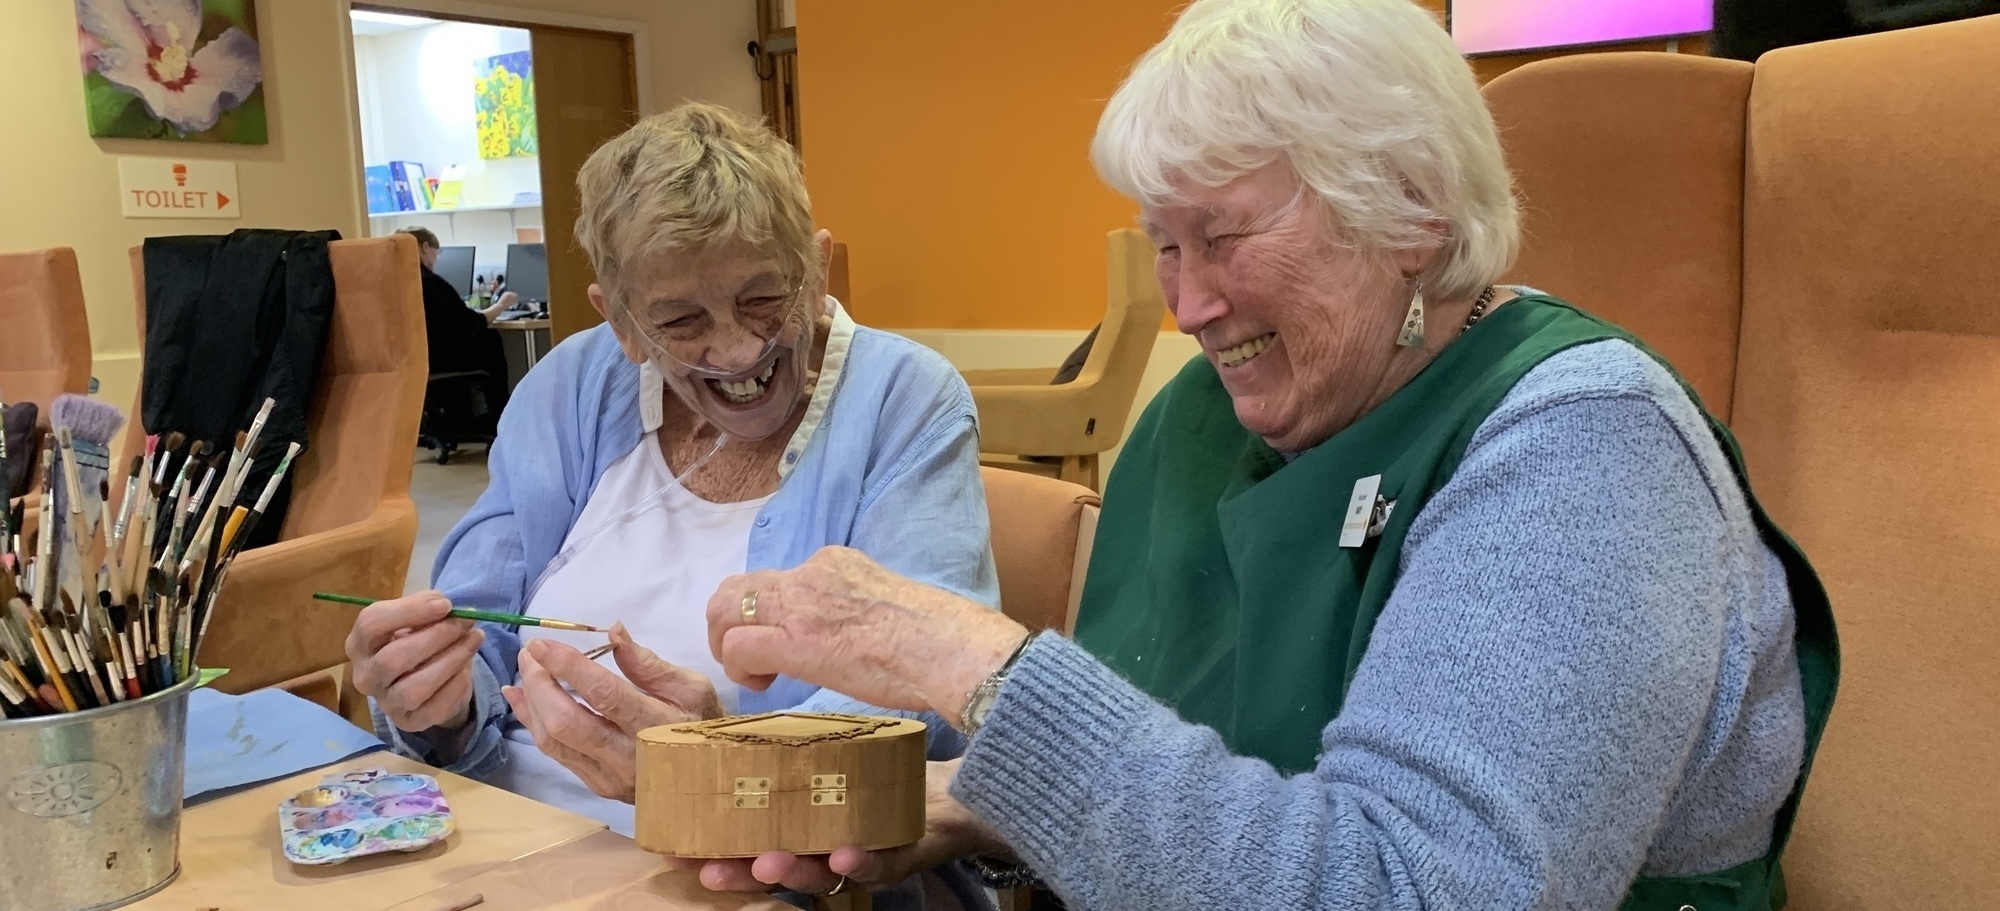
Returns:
(45, 349)
(1021, 415)
(1801, 238)
(1042, 533)
(351, 524)
(836, 277)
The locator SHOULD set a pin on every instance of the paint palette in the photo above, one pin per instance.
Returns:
(356, 814)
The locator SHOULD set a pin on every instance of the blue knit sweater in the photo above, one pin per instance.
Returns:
(1585, 674)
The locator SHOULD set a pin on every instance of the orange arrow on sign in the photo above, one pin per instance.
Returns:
(221, 200)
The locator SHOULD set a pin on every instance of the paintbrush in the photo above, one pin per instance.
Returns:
(13, 702)
(6, 494)
(45, 547)
(121, 651)
(169, 506)
(30, 623)
(467, 613)
(55, 670)
(235, 538)
(246, 446)
(79, 654)
(104, 638)
(189, 505)
(71, 496)
(114, 543)
(89, 427)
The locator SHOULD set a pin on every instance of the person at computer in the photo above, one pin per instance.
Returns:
(460, 338)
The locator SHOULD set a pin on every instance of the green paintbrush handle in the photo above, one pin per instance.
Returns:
(467, 613)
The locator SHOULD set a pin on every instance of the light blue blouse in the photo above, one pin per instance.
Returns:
(886, 462)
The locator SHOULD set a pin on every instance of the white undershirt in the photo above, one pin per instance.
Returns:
(649, 560)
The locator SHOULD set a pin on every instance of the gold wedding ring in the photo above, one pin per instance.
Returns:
(836, 889)
(750, 608)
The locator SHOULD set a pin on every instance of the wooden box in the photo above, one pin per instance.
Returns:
(738, 787)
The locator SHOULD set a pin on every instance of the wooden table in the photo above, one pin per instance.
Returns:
(514, 851)
(527, 328)
(605, 870)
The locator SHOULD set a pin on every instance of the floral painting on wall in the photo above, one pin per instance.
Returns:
(172, 69)
(503, 90)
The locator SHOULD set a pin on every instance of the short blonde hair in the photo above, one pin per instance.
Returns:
(691, 178)
(1369, 102)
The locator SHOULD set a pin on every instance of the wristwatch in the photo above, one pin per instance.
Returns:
(988, 690)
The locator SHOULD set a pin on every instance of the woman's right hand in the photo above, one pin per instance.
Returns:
(415, 660)
(950, 832)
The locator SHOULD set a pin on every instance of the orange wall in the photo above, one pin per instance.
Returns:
(948, 145)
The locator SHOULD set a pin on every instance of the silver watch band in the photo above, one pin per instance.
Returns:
(973, 716)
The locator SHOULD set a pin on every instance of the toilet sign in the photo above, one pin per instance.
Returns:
(175, 188)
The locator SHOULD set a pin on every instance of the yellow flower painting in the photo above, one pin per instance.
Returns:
(504, 91)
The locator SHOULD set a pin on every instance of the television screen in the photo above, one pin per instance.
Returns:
(1494, 26)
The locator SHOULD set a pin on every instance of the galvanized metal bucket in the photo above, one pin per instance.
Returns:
(90, 804)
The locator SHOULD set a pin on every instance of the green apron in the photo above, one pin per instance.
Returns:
(1218, 586)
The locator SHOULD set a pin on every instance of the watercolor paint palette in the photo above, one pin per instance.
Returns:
(357, 814)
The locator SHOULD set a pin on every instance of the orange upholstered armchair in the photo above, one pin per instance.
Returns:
(1812, 242)
(45, 350)
(1042, 534)
(351, 524)
(1022, 415)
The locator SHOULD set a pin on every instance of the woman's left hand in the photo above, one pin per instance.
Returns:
(950, 832)
(600, 742)
(843, 622)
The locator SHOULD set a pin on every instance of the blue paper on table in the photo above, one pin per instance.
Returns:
(234, 741)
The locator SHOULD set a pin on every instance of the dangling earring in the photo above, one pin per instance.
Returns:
(1412, 335)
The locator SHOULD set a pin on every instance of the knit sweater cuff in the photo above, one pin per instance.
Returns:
(1057, 726)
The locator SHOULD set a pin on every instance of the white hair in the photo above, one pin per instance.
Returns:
(1367, 100)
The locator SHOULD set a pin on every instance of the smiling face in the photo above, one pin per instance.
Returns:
(728, 328)
(1301, 329)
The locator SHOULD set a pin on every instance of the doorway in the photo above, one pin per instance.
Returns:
(475, 128)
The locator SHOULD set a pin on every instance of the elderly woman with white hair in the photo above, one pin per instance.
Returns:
(729, 416)
(1410, 592)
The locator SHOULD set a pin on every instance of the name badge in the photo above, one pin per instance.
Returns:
(1360, 509)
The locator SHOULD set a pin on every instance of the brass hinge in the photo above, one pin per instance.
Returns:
(829, 790)
(753, 793)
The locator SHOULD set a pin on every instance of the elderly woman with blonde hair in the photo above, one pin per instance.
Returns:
(728, 417)
(1411, 592)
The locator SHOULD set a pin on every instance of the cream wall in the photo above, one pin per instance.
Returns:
(59, 187)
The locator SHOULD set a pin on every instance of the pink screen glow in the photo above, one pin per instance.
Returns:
(1486, 26)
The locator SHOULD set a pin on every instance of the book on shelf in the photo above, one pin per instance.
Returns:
(450, 187)
(412, 195)
(381, 191)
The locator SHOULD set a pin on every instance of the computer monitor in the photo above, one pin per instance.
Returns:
(528, 273)
(454, 264)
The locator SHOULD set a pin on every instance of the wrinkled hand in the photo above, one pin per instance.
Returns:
(415, 661)
(597, 738)
(950, 832)
(843, 622)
